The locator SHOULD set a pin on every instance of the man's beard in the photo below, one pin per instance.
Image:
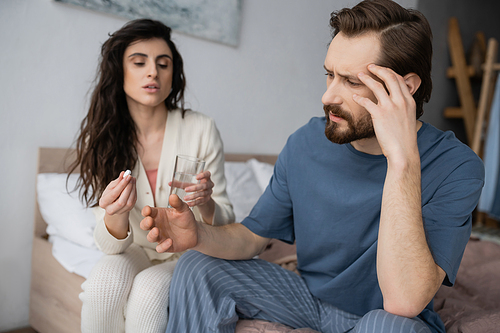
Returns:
(356, 130)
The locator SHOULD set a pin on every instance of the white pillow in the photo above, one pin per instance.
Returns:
(63, 212)
(75, 258)
(242, 188)
(262, 171)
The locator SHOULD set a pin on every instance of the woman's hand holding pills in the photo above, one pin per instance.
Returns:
(117, 200)
(120, 195)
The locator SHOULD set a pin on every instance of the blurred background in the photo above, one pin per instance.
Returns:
(258, 92)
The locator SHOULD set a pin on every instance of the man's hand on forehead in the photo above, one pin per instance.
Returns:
(385, 82)
(394, 112)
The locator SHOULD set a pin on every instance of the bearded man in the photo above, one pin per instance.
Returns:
(378, 203)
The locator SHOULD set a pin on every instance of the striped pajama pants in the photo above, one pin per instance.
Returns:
(210, 295)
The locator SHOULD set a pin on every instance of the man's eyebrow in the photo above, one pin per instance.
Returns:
(138, 54)
(345, 76)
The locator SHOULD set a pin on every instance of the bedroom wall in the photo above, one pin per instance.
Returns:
(258, 93)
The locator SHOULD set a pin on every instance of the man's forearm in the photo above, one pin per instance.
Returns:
(233, 241)
(407, 273)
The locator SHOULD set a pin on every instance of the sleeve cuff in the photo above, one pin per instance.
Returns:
(109, 244)
(222, 215)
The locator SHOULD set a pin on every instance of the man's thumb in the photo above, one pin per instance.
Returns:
(176, 203)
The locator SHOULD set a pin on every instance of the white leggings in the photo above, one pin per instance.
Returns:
(126, 293)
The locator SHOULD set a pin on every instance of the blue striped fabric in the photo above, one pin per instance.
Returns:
(210, 295)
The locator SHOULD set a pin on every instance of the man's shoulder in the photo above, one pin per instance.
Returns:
(437, 146)
(310, 136)
(433, 138)
(316, 125)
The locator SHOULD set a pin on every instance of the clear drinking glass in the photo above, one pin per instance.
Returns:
(185, 170)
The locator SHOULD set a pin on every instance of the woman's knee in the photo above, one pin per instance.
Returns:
(113, 276)
(154, 282)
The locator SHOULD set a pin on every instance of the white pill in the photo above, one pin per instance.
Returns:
(128, 172)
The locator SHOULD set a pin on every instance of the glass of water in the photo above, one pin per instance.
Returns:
(185, 170)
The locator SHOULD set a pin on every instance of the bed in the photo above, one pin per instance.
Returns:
(62, 242)
(473, 305)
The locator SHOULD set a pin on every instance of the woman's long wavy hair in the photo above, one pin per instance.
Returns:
(107, 143)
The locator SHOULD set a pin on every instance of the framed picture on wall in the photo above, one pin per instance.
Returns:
(213, 20)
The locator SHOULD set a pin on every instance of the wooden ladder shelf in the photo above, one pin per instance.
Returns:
(475, 117)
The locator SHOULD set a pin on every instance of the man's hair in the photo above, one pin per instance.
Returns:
(405, 38)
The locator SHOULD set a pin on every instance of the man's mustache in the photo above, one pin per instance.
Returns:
(336, 111)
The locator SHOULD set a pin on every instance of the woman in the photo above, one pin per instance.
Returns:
(137, 121)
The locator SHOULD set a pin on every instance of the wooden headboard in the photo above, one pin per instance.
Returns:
(59, 159)
(271, 159)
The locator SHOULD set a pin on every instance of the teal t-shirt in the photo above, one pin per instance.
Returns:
(327, 198)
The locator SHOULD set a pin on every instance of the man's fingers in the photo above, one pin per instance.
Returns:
(153, 235)
(364, 102)
(149, 211)
(405, 88)
(164, 246)
(146, 223)
(376, 87)
(146, 210)
(399, 90)
(391, 79)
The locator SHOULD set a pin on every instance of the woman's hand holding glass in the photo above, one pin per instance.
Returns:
(201, 193)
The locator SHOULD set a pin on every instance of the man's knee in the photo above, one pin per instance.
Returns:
(382, 321)
(193, 257)
(192, 266)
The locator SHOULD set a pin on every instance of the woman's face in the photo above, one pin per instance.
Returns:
(147, 73)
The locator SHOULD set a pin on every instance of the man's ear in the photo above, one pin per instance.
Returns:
(412, 81)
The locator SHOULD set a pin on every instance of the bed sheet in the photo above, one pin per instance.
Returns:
(472, 305)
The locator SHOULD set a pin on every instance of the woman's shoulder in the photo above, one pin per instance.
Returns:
(192, 117)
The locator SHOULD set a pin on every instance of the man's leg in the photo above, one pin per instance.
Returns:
(209, 295)
(382, 321)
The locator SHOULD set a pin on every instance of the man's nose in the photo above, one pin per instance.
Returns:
(332, 95)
